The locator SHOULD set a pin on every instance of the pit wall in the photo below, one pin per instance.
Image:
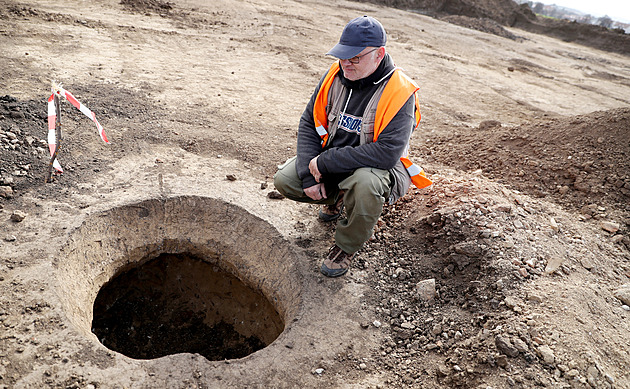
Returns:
(222, 234)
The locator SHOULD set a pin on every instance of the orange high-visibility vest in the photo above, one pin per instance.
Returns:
(393, 95)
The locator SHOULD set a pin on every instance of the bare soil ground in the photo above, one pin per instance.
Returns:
(525, 231)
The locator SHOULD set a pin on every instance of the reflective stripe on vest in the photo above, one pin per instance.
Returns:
(388, 106)
(320, 116)
(416, 173)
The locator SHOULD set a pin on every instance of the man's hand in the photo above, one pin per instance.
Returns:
(312, 166)
(316, 192)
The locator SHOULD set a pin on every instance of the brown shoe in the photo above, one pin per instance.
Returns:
(331, 212)
(337, 262)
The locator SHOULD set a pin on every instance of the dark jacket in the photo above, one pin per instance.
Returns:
(344, 154)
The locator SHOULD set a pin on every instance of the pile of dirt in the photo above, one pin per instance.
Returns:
(23, 161)
(581, 162)
(448, 268)
(448, 273)
(147, 6)
(509, 13)
(505, 12)
(480, 24)
(599, 37)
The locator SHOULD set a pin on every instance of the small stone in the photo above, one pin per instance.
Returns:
(520, 345)
(230, 177)
(318, 371)
(506, 208)
(531, 262)
(553, 264)
(553, 224)
(502, 361)
(275, 195)
(563, 190)
(625, 307)
(10, 238)
(510, 302)
(362, 366)
(425, 290)
(505, 346)
(469, 249)
(6, 191)
(377, 323)
(587, 263)
(535, 298)
(18, 216)
(592, 372)
(546, 354)
(442, 371)
(611, 227)
(623, 294)
(572, 373)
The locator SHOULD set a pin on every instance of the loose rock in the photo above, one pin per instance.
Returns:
(505, 346)
(611, 227)
(18, 216)
(553, 264)
(425, 290)
(546, 354)
(6, 191)
(623, 294)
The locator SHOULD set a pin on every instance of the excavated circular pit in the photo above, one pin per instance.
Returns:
(179, 275)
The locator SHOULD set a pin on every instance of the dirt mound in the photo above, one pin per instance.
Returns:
(475, 243)
(585, 34)
(22, 126)
(503, 11)
(480, 24)
(147, 6)
(581, 162)
(509, 13)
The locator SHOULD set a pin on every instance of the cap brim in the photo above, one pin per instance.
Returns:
(345, 52)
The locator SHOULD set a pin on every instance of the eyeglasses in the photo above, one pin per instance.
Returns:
(355, 60)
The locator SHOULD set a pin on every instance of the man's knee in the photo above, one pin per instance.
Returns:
(369, 180)
(280, 183)
(287, 181)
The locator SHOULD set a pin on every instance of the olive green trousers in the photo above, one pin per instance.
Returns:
(364, 193)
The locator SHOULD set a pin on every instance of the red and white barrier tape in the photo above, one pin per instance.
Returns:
(52, 116)
(52, 138)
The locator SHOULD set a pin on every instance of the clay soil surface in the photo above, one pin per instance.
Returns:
(525, 232)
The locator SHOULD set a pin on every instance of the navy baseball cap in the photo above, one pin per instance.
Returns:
(359, 33)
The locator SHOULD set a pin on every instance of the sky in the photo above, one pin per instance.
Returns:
(617, 9)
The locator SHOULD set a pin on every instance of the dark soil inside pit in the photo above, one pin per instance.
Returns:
(155, 310)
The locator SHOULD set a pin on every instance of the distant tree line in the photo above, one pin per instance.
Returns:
(557, 12)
